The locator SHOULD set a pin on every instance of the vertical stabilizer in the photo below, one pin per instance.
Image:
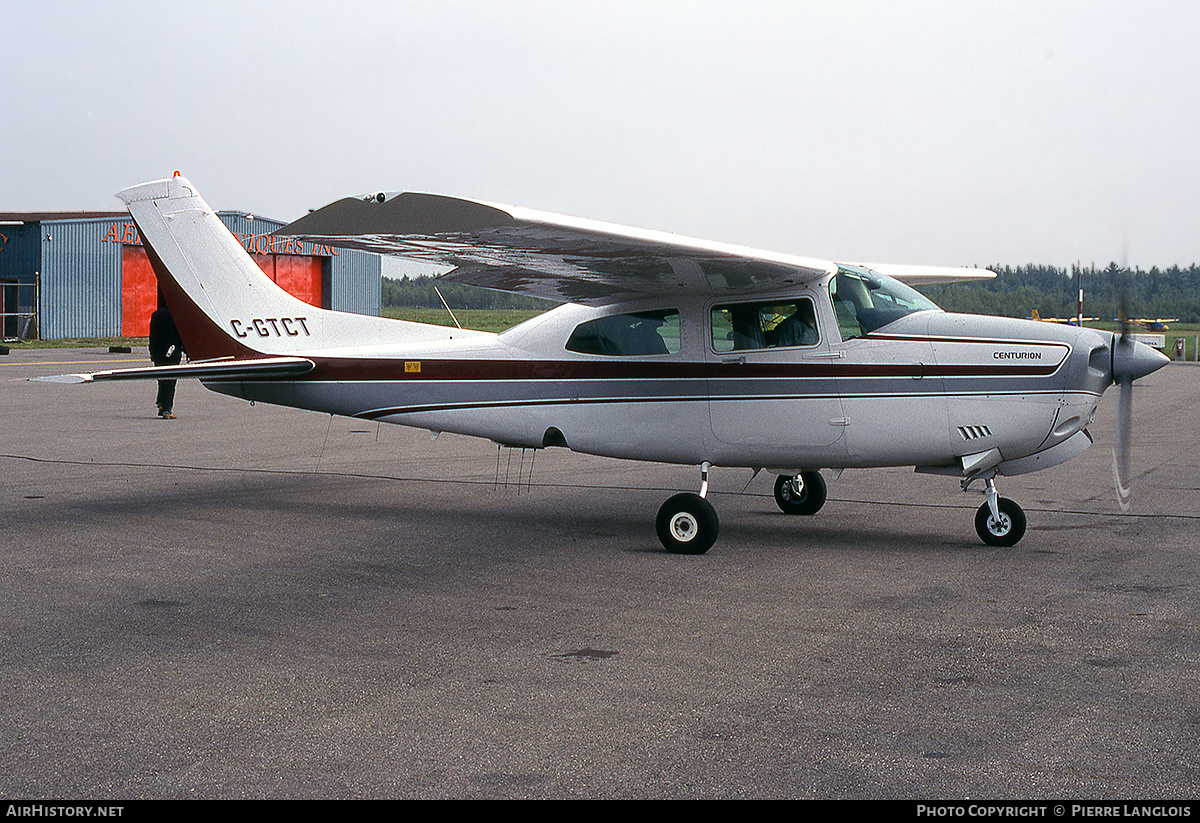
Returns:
(222, 302)
(215, 291)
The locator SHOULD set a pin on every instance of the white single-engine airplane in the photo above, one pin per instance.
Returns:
(667, 349)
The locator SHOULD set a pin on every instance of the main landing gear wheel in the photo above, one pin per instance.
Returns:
(807, 499)
(1007, 530)
(687, 524)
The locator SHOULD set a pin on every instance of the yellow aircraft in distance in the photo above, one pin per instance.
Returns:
(1156, 324)
(1070, 321)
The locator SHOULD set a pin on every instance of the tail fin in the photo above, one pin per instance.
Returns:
(175, 224)
(222, 302)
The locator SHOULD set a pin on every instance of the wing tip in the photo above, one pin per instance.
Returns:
(408, 213)
(63, 378)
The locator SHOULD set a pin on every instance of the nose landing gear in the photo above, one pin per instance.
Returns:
(999, 521)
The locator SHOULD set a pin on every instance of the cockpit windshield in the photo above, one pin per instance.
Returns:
(865, 301)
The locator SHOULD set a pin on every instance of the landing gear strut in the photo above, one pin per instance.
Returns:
(687, 523)
(999, 521)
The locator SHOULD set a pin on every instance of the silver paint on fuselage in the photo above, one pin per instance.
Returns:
(930, 390)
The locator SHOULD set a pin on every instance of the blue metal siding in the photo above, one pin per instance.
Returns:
(20, 262)
(80, 265)
(356, 282)
(20, 252)
(81, 280)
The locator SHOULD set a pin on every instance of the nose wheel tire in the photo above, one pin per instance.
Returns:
(687, 524)
(806, 499)
(1007, 530)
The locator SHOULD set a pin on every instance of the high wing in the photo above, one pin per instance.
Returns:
(563, 258)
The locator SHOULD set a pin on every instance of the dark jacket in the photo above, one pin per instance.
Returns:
(166, 347)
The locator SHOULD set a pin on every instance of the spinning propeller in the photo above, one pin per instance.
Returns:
(1130, 360)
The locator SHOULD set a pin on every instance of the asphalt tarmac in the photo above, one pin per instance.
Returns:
(252, 601)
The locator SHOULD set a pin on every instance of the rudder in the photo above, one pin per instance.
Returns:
(223, 303)
(212, 286)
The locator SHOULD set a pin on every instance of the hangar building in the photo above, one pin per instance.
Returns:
(86, 274)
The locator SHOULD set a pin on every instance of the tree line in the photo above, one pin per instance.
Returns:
(1015, 292)
(1054, 292)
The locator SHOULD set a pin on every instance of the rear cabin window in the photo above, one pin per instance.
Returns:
(628, 335)
(771, 325)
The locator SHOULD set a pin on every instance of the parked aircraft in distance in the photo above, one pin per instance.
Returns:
(1068, 321)
(666, 348)
(1153, 324)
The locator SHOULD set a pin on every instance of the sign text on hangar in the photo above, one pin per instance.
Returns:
(127, 234)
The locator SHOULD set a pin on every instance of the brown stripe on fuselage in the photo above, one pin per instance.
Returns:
(355, 369)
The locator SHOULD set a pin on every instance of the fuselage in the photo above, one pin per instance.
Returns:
(826, 376)
(669, 349)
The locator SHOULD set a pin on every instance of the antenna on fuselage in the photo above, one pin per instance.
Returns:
(447, 305)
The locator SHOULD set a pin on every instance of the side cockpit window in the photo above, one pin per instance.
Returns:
(628, 335)
(770, 325)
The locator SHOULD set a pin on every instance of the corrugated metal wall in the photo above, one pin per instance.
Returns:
(19, 263)
(19, 252)
(81, 280)
(356, 281)
(81, 291)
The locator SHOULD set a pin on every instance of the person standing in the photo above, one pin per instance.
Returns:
(166, 349)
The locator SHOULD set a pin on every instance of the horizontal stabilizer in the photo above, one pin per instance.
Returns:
(201, 370)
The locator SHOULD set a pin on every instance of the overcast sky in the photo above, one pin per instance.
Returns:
(941, 133)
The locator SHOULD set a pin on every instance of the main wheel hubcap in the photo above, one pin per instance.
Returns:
(684, 527)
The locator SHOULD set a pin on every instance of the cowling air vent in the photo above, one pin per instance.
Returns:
(974, 432)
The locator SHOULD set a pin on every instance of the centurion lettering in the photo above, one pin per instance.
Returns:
(1017, 355)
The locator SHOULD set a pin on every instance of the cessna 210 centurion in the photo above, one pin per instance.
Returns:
(666, 349)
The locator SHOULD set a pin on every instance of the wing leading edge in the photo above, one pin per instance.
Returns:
(563, 258)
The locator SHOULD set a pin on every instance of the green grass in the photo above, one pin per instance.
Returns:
(494, 320)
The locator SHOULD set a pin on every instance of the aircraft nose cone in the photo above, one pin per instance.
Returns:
(1132, 360)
